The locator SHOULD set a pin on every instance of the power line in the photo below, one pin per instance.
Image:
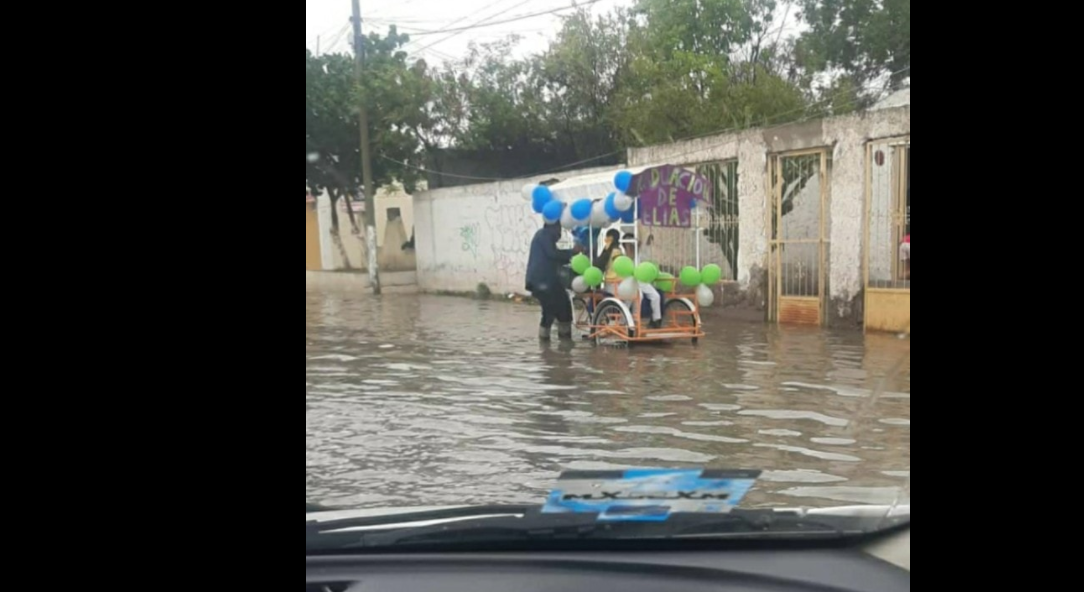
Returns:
(398, 4)
(324, 33)
(440, 54)
(513, 19)
(463, 18)
(468, 177)
(374, 25)
(475, 25)
(414, 31)
(337, 39)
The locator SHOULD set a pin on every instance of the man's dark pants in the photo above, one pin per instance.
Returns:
(555, 306)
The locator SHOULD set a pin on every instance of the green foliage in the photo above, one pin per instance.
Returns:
(866, 40)
(701, 66)
(332, 137)
(662, 70)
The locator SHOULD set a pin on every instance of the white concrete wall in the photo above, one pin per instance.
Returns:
(476, 234)
(386, 198)
(845, 136)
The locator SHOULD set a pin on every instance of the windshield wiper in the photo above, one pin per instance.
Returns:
(312, 524)
(534, 525)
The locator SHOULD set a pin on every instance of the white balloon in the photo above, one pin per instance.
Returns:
(628, 289)
(528, 191)
(579, 285)
(599, 217)
(567, 221)
(622, 202)
(704, 295)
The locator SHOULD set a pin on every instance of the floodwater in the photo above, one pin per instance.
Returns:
(430, 400)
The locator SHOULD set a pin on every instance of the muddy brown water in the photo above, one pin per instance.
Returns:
(430, 400)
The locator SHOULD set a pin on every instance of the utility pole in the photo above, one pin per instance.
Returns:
(366, 162)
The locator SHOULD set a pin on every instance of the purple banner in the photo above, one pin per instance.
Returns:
(667, 195)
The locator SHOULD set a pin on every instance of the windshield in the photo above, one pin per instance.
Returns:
(547, 239)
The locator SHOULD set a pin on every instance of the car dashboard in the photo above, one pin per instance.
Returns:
(874, 564)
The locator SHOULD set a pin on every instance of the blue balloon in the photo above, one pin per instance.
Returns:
(611, 209)
(692, 203)
(552, 211)
(627, 216)
(541, 196)
(537, 203)
(623, 181)
(584, 235)
(581, 209)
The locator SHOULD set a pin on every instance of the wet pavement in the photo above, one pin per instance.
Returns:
(428, 400)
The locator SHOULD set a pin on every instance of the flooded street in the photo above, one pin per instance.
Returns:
(428, 400)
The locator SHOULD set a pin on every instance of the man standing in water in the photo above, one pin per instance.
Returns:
(544, 283)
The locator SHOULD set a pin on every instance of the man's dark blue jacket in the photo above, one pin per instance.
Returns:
(545, 258)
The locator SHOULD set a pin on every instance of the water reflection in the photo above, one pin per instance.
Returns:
(433, 400)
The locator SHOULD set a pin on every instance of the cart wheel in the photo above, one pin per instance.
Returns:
(610, 313)
(679, 320)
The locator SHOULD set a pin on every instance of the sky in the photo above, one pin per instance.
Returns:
(329, 20)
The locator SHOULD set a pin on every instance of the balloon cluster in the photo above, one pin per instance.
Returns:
(587, 276)
(631, 274)
(583, 212)
(701, 280)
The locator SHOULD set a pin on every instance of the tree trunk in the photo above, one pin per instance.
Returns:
(336, 237)
(338, 240)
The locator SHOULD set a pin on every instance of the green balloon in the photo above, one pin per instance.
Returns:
(690, 276)
(580, 263)
(647, 272)
(711, 274)
(665, 282)
(624, 267)
(593, 276)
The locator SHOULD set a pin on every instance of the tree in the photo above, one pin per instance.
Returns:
(703, 66)
(332, 137)
(504, 116)
(868, 42)
(332, 145)
(578, 77)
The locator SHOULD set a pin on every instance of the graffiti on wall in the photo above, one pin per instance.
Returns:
(512, 225)
(468, 235)
(476, 239)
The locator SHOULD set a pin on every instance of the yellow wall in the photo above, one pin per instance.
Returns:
(888, 310)
(312, 239)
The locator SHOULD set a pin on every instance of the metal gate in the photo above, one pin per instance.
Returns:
(799, 250)
(887, 265)
(717, 228)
